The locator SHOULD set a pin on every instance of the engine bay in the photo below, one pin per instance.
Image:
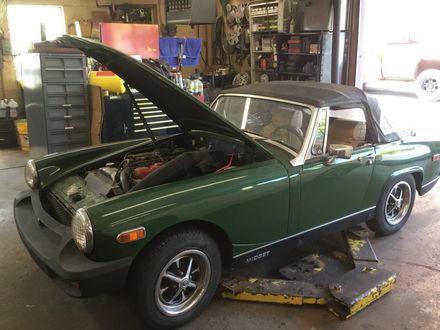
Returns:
(173, 161)
(180, 158)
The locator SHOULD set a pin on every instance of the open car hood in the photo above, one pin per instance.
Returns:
(184, 109)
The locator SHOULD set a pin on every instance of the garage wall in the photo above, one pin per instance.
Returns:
(244, 67)
(82, 10)
(203, 32)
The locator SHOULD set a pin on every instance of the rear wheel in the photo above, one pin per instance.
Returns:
(395, 206)
(428, 85)
(174, 281)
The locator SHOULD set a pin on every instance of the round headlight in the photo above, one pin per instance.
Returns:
(30, 174)
(82, 231)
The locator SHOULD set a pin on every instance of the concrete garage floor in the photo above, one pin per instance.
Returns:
(30, 300)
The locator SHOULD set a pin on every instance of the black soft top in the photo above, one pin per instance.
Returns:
(307, 92)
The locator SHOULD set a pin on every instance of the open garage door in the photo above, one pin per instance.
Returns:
(399, 63)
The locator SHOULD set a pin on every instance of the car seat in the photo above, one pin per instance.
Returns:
(347, 132)
(286, 127)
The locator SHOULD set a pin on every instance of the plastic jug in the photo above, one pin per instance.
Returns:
(13, 106)
(3, 109)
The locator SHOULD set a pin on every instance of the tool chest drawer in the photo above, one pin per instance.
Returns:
(68, 136)
(65, 67)
(68, 124)
(67, 101)
(63, 61)
(55, 74)
(68, 113)
(65, 89)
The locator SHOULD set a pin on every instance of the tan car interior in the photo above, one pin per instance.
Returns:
(347, 132)
(286, 127)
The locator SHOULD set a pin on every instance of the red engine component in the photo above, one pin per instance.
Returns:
(141, 172)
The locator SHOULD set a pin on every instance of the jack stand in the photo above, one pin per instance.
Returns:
(321, 280)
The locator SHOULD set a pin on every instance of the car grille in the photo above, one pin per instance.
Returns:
(56, 209)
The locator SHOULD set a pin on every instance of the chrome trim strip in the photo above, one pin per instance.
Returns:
(245, 113)
(430, 182)
(327, 122)
(303, 232)
(301, 158)
(264, 98)
(280, 146)
(255, 136)
(309, 154)
(215, 104)
(275, 143)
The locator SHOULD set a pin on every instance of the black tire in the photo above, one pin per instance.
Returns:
(151, 271)
(428, 85)
(391, 218)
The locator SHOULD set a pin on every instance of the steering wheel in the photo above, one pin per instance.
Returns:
(254, 122)
(290, 130)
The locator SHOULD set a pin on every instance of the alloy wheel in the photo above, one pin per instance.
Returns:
(182, 282)
(430, 85)
(397, 203)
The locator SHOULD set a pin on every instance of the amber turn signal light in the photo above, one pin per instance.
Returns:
(131, 235)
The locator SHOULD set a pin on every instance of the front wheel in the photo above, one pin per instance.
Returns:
(395, 206)
(175, 280)
(428, 85)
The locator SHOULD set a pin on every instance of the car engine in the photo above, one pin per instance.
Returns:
(139, 169)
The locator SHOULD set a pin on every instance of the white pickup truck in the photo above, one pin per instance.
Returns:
(413, 61)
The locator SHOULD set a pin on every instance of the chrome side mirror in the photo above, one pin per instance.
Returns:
(338, 151)
(341, 151)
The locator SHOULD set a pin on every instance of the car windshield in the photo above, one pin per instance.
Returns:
(286, 123)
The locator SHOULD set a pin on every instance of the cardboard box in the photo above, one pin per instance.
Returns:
(85, 26)
(96, 113)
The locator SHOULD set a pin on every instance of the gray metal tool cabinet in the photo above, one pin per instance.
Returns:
(56, 102)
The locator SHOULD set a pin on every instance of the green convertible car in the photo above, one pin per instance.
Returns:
(267, 166)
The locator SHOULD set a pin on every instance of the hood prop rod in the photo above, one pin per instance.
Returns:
(138, 110)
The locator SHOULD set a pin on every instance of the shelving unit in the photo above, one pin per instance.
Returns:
(305, 56)
(294, 56)
(279, 52)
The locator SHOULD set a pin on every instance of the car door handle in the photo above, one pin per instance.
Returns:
(369, 158)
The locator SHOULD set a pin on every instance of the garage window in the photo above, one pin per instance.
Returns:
(26, 21)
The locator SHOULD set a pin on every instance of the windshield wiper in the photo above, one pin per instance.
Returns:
(138, 110)
(275, 140)
(285, 144)
(251, 132)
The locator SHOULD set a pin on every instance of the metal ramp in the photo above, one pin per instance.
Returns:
(344, 283)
